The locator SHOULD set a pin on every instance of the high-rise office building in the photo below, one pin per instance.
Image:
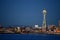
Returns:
(59, 23)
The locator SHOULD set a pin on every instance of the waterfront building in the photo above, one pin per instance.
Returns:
(1, 29)
(57, 30)
(36, 26)
(18, 29)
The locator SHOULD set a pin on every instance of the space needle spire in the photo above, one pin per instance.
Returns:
(44, 20)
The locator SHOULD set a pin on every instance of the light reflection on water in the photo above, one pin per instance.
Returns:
(29, 37)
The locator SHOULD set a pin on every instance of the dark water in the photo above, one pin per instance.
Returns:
(29, 37)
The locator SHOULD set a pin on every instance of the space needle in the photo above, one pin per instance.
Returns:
(44, 20)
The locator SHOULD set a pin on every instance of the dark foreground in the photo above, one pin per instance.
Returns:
(29, 37)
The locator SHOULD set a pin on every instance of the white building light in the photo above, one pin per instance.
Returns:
(36, 26)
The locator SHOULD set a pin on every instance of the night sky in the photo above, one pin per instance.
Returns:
(29, 12)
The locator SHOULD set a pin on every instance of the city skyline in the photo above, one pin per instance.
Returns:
(29, 12)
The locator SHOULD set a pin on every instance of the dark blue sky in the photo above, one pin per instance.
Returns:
(28, 12)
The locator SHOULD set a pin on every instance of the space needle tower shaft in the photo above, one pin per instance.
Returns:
(44, 20)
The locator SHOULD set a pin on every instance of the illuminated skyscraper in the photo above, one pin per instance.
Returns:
(59, 23)
(44, 20)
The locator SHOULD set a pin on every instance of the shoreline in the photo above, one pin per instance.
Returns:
(32, 33)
